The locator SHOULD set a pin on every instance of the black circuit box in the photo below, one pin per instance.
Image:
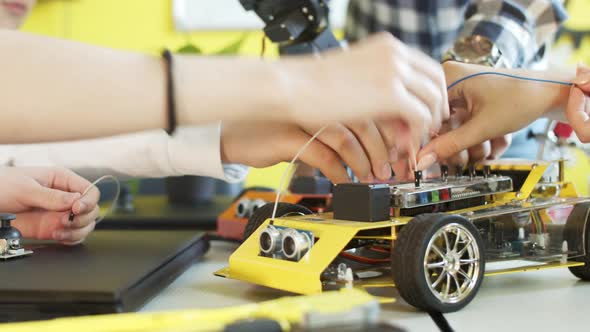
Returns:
(361, 202)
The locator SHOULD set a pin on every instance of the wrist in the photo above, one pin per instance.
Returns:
(297, 81)
(233, 147)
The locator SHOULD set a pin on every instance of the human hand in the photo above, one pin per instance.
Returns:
(42, 199)
(490, 106)
(578, 105)
(369, 148)
(487, 150)
(379, 78)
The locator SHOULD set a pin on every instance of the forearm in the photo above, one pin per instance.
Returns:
(139, 155)
(489, 106)
(229, 88)
(191, 151)
(61, 90)
(520, 90)
(546, 96)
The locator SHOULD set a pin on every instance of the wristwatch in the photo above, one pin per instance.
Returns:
(477, 50)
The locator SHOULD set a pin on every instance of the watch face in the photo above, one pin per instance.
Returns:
(476, 49)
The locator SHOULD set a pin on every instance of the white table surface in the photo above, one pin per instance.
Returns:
(547, 300)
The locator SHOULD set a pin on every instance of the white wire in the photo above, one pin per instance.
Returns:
(289, 167)
(97, 181)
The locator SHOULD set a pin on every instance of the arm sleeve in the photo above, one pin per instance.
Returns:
(520, 28)
(191, 151)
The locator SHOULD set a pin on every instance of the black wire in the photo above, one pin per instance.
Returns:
(440, 320)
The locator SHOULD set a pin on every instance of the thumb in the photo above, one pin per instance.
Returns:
(447, 145)
(51, 199)
(576, 115)
(583, 77)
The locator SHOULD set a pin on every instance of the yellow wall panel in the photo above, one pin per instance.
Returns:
(140, 25)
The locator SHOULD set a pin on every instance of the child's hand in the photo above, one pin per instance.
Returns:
(378, 78)
(578, 106)
(491, 106)
(43, 198)
(369, 148)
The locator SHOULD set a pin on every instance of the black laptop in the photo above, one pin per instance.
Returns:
(113, 271)
(155, 212)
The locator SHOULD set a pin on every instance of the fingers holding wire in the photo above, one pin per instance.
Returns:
(83, 219)
(87, 202)
(321, 156)
(78, 235)
(345, 146)
(375, 147)
(577, 113)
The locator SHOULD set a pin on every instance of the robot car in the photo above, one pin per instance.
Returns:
(314, 193)
(433, 239)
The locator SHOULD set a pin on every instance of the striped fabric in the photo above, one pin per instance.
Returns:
(520, 28)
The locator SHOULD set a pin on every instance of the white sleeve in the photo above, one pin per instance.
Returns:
(191, 151)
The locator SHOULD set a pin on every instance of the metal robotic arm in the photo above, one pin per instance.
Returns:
(298, 26)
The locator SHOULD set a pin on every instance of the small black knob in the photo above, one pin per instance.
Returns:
(444, 172)
(487, 171)
(471, 171)
(417, 178)
(6, 218)
(8, 232)
(458, 171)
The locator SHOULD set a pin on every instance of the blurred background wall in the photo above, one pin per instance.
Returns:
(139, 25)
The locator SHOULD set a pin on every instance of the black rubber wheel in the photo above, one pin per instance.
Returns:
(427, 260)
(575, 227)
(265, 212)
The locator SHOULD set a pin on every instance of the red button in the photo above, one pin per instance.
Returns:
(563, 130)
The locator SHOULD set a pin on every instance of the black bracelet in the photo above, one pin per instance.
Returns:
(170, 101)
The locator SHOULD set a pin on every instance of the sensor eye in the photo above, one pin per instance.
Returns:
(244, 208)
(269, 240)
(295, 244)
(257, 204)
